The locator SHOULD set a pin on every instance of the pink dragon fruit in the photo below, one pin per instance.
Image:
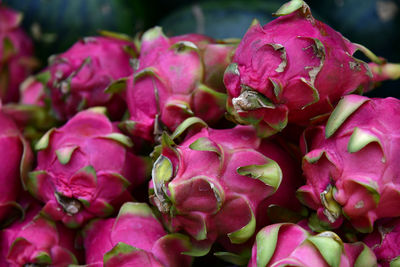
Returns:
(32, 114)
(33, 121)
(37, 241)
(213, 184)
(350, 163)
(79, 78)
(289, 244)
(134, 238)
(32, 92)
(176, 78)
(276, 208)
(16, 51)
(384, 241)
(292, 70)
(85, 169)
(16, 157)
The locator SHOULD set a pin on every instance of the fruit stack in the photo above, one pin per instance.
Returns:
(186, 150)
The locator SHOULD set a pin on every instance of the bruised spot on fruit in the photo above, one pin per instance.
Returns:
(250, 100)
(318, 51)
(177, 70)
(180, 47)
(58, 74)
(354, 65)
(70, 205)
(359, 205)
(65, 87)
(322, 31)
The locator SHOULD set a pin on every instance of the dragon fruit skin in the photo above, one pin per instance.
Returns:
(134, 238)
(16, 54)
(77, 79)
(212, 184)
(176, 78)
(348, 164)
(289, 244)
(16, 158)
(32, 113)
(85, 169)
(32, 92)
(292, 70)
(384, 242)
(277, 207)
(37, 240)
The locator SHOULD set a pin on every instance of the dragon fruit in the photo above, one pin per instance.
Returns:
(384, 242)
(386, 71)
(292, 70)
(134, 238)
(276, 208)
(213, 184)
(32, 92)
(289, 244)
(79, 78)
(16, 54)
(85, 169)
(350, 164)
(16, 158)
(32, 114)
(37, 241)
(176, 78)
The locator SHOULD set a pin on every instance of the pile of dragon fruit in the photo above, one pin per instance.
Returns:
(186, 150)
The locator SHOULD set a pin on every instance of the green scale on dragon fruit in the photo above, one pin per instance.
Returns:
(221, 184)
(280, 75)
(134, 238)
(176, 78)
(85, 169)
(350, 164)
(16, 54)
